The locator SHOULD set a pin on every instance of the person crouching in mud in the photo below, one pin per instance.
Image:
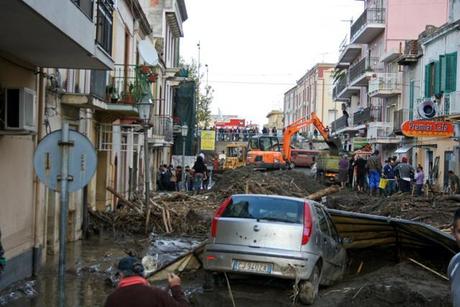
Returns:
(134, 290)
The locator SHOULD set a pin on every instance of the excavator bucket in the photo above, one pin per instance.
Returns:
(334, 146)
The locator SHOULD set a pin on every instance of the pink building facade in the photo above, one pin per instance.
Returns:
(369, 82)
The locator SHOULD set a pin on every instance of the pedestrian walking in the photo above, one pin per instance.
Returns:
(360, 173)
(351, 170)
(343, 171)
(199, 170)
(314, 168)
(419, 180)
(454, 265)
(2, 256)
(405, 172)
(134, 290)
(179, 182)
(389, 175)
(374, 167)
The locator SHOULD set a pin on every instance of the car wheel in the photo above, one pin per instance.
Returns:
(309, 288)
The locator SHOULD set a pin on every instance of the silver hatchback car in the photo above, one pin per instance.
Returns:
(276, 236)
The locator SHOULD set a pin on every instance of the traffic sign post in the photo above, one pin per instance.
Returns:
(65, 161)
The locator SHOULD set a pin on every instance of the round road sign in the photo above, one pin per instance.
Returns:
(82, 160)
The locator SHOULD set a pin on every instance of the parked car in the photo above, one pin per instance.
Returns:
(276, 236)
(303, 157)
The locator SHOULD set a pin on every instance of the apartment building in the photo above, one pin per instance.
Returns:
(167, 18)
(312, 93)
(79, 62)
(36, 36)
(430, 70)
(369, 78)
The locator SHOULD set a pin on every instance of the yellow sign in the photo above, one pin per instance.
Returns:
(208, 140)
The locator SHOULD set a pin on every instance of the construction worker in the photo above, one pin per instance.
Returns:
(2, 257)
(454, 265)
(134, 290)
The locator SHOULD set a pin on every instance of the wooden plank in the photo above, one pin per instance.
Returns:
(127, 202)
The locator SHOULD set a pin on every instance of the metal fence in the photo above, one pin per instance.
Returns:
(369, 16)
(162, 126)
(362, 117)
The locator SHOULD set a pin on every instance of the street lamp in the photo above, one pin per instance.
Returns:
(184, 132)
(144, 107)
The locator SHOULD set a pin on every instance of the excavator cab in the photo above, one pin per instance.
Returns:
(265, 152)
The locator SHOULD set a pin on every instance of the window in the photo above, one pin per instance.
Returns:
(265, 208)
(411, 99)
(322, 221)
(104, 25)
(441, 76)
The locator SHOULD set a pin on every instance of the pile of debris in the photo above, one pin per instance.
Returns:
(185, 213)
(435, 210)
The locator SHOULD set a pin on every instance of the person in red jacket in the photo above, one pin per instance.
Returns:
(134, 290)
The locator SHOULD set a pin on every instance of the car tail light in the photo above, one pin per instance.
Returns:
(218, 214)
(307, 224)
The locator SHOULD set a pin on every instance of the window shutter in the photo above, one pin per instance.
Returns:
(443, 72)
(437, 77)
(451, 72)
(427, 80)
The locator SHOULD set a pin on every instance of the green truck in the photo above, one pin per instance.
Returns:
(328, 167)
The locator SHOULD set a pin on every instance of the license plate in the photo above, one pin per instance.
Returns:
(252, 267)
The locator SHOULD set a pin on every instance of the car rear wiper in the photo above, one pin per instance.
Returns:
(273, 219)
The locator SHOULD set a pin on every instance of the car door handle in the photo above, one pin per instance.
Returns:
(256, 228)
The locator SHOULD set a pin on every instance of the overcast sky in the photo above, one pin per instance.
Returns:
(257, 49)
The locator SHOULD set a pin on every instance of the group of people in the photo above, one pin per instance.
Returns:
(196, 178)
(385, 179)
(236, 134)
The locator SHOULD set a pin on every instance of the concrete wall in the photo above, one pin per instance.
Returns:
(19, 212)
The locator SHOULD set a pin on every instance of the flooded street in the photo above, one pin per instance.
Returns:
(91, 269)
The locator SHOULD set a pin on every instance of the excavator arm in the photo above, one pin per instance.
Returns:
(301, 123)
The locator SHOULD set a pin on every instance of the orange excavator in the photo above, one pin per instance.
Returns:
(267, 152)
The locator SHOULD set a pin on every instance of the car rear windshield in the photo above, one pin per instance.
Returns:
(265, 208)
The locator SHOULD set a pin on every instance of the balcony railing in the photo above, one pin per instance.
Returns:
(367, 64)
(340, 123)
(379, 130)
(400, 117)
(129, 83)
(362, 117)
(385, 84)
(98, 84)
(162, 126)
(340, 85)
(369, 16)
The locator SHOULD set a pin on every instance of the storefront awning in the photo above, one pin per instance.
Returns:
(404, 149)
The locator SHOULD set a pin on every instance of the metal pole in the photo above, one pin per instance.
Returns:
(183, 164)
(146, 166)
(64, 202)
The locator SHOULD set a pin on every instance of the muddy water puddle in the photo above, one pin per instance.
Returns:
(91, 270)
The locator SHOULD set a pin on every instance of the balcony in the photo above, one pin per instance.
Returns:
(339, 124)
(362, 117)
(361, 72)
(349, 53)
(343, 92)
(412, 52)
(385, 85)
(399, 118)
(382, 133)
(368, 26)
(53, 33)
(162, 130)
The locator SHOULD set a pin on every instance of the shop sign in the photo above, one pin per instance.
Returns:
(426, 128)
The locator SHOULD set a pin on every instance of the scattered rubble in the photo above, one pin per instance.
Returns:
(436, 211)
(185, 213)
